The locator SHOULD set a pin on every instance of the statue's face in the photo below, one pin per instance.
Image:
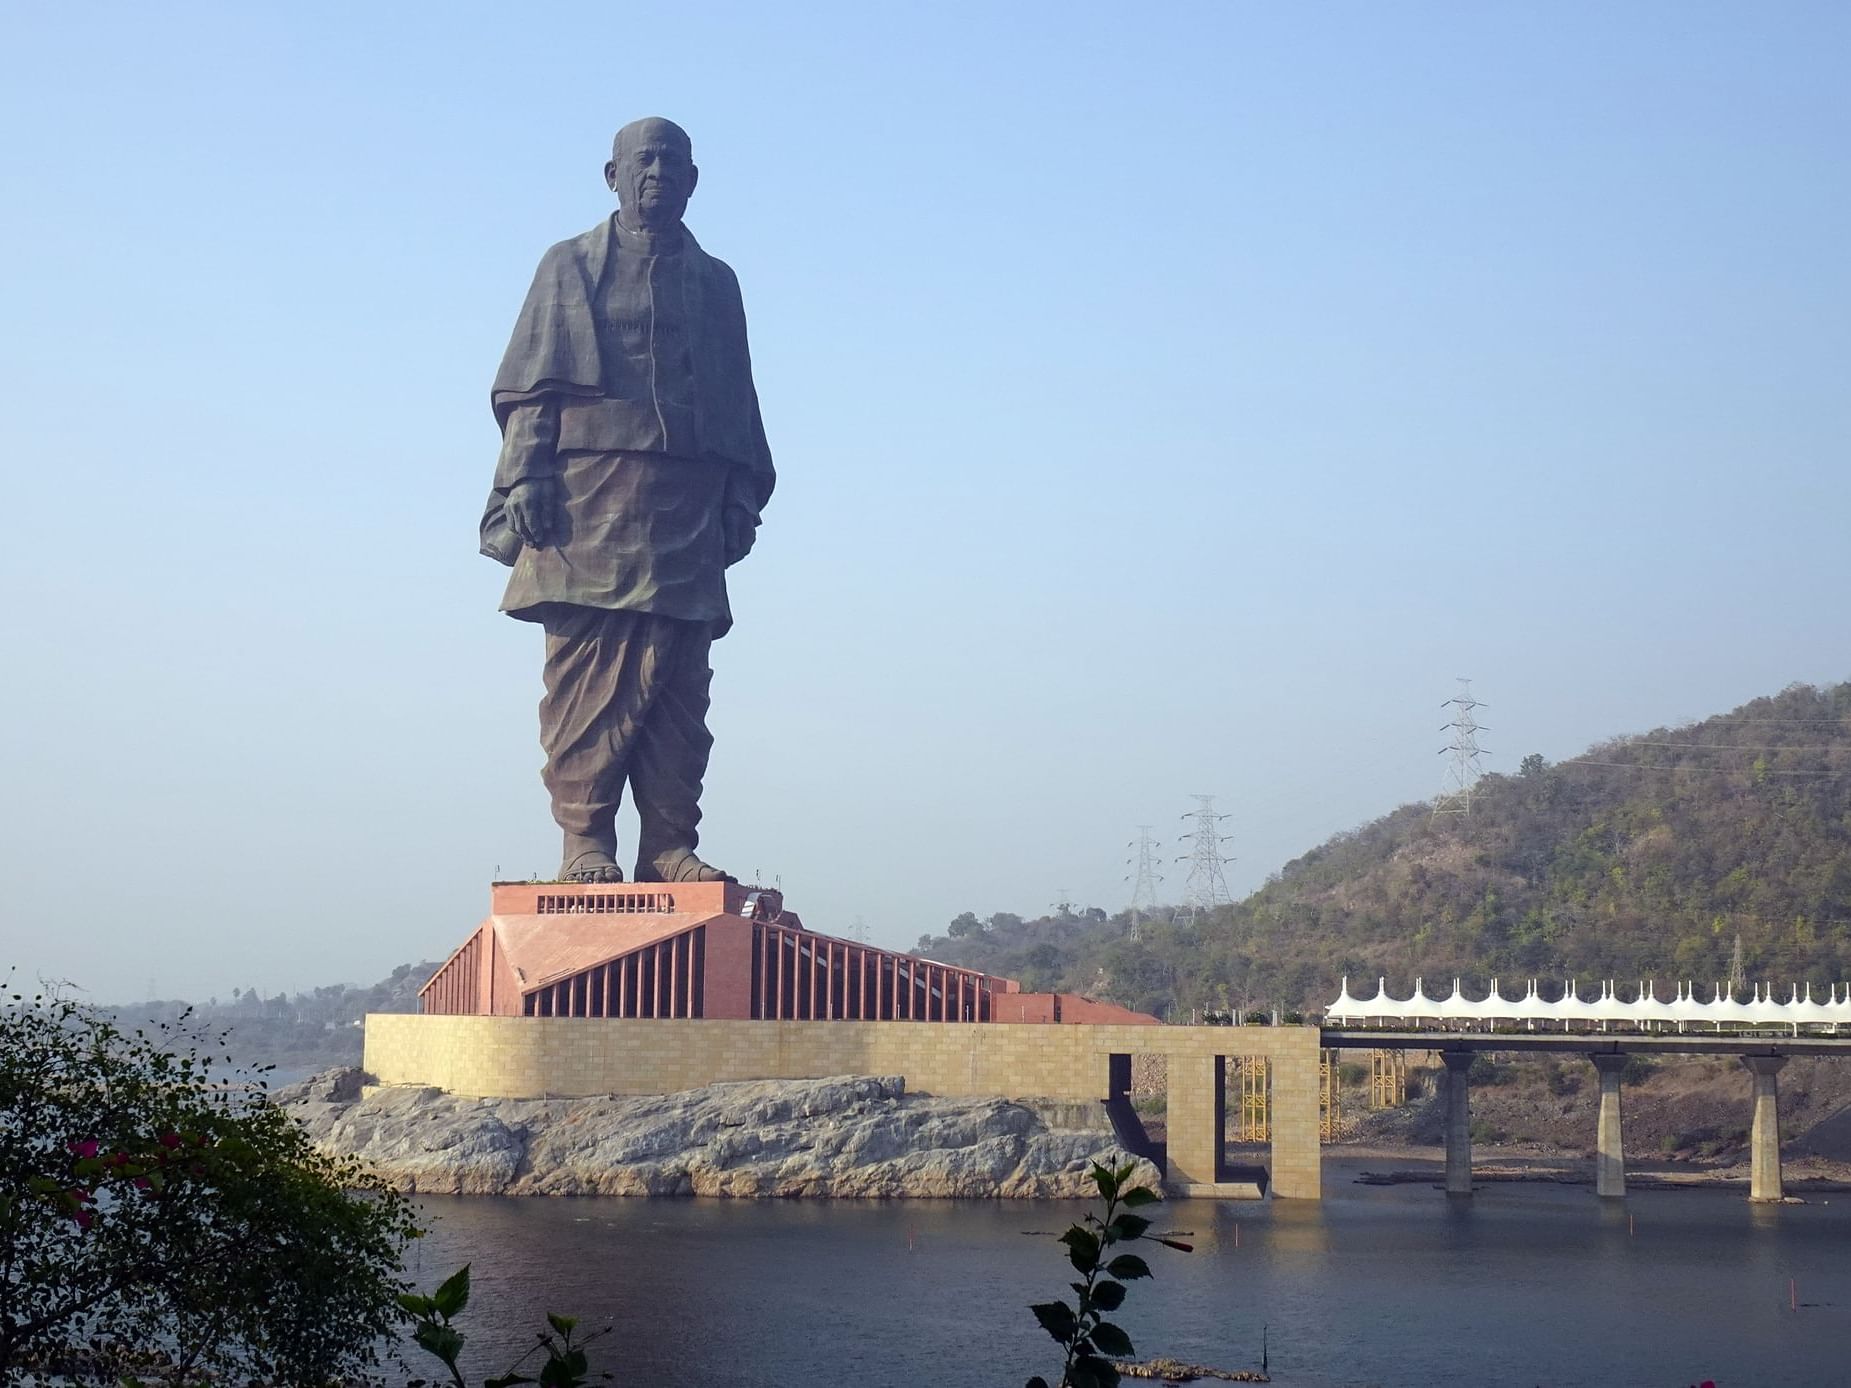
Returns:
(652, 172)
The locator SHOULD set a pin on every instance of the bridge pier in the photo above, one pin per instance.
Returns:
(1764, 1182)
(1458, 1122)
(1609, 1139)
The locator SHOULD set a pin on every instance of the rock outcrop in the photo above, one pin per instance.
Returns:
(852, 1136)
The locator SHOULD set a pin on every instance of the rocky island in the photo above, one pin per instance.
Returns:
(844, 1137)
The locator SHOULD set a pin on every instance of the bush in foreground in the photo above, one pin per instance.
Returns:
(156, 1224)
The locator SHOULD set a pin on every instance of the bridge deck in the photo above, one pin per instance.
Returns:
(1585, 1043)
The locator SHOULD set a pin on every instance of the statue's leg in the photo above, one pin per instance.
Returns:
(597, 689)
(670, 759)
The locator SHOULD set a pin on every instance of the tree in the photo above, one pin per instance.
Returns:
(965, 925)
(1041, 967)
(145, 1211)
(1532, 765)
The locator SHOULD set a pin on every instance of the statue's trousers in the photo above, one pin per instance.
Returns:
(626, 700)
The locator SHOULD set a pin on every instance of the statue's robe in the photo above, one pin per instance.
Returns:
(629, 380)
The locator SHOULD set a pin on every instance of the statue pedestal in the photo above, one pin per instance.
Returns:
(610, 949)
(652, 950)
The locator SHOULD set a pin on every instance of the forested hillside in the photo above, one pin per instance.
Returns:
(298, 1035)
(1648, 856)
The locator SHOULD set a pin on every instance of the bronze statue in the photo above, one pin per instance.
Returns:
(632, 473)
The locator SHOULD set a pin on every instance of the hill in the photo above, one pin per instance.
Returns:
(298, 1035)
(1648, 856)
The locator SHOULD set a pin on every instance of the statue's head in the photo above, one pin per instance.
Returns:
(652, 172)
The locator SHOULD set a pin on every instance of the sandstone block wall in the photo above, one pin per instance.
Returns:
(568, 1057)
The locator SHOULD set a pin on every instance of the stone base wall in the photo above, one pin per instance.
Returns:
(565, 1057)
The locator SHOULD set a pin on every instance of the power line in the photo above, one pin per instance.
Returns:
(1206, 887)
(1794, 722)
(1464, 770)
(1737, 747)
(1713, 770)
(1144, 876)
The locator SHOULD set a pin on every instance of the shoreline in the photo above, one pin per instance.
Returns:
(1416, 1165)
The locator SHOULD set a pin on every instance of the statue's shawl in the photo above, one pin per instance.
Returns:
(554, 346)
(554, 351)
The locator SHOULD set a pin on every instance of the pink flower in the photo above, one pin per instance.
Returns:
(82, 1150)
(84, 1218)
(143, 1183)
(170, 1140)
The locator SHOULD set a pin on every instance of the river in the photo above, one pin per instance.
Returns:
(1521, 1285)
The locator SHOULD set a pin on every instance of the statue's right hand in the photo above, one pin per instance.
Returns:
(534, 512)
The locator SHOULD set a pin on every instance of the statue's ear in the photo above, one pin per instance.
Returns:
(610, 175)
(694, 178)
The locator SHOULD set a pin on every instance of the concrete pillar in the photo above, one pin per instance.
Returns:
(1609, 1142)
(1458, 1122)
(1764, 1137)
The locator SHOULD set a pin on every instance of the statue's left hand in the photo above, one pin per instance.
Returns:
(739, 529)
(534, 512)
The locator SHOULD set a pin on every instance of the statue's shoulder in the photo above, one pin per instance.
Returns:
(570, 267)
(575, 253)
(715, 267)
(719, 268)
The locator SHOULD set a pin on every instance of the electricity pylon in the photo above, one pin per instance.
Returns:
(1206, 887)
(1463, 771)
(1144, 876)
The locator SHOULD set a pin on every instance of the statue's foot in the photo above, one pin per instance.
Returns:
(588, 860)
(679, 865)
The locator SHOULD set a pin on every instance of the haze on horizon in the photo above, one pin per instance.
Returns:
(1163, 403)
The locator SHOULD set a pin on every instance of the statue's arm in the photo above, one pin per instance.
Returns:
(529, 441)
(739, 515)
(747, 491)
(526, 472)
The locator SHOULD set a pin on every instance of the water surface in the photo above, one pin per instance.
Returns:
(1522, 1284)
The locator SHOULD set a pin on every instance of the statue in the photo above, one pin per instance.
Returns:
(633, 469)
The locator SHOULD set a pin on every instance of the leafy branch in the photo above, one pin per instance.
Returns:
(566, 1366)
(1091, 1342)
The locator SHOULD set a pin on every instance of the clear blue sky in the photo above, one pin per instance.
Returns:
(1167, 399)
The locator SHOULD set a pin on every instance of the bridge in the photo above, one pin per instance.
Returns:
(1762, 1033)
(1763, 1055)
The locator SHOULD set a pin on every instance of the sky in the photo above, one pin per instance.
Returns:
(1168, 399)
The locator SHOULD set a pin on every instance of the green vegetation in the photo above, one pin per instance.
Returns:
(1090, 1341)
(153, 1222)
(564, 1363)
(1647, 857)
(303, 1033)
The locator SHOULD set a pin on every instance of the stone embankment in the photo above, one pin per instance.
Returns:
(853, 1137)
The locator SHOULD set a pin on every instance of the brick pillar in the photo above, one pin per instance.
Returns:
(1193, 1117)
(1609, 1141)
(1764, 1181)
(1297, 1165)
(1458, 1122)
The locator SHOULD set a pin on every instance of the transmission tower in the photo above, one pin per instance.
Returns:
(1144, 876)
(1463, 771)
(1205, 887)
